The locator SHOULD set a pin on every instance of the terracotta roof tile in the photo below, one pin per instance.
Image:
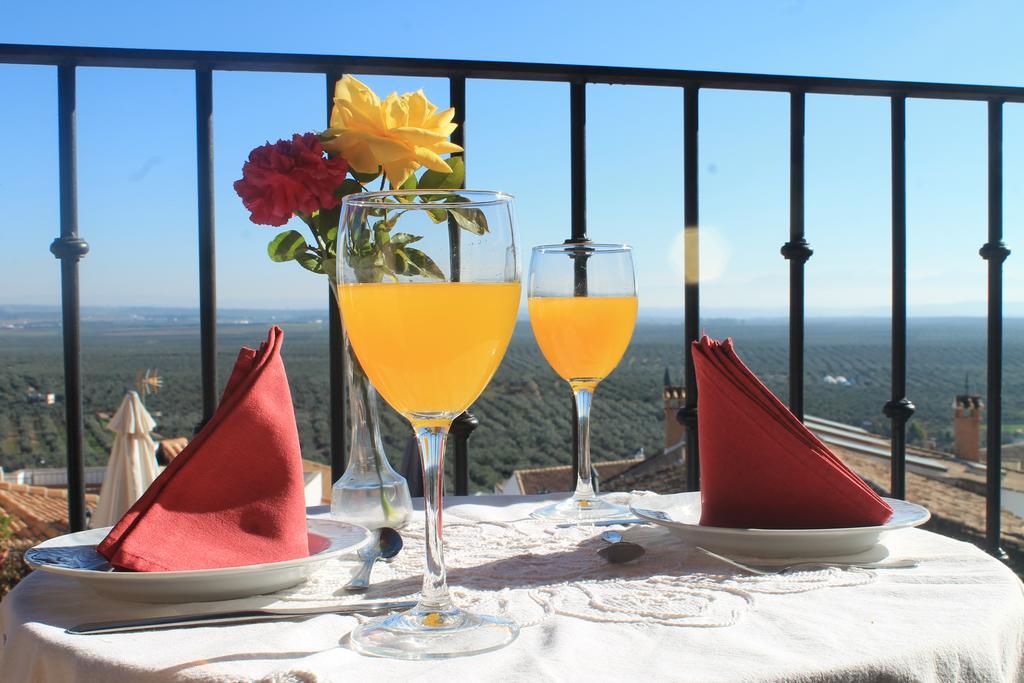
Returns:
(168, 449)
(557, 478)
(37, 512)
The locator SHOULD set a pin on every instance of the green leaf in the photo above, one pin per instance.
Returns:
(286, 246)
(403, 264)
(438, 180)
(409, 184)
(423, 262)
(323, 221)
(310, 262)
(327, 266)
(348, 187)
(364, 177)
(359, 239)
(403, 238)
(472, 220)
(366, 268)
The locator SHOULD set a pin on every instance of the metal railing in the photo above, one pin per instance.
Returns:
(70, 248)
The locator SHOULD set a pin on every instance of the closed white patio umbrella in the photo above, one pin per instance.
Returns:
(132, 465)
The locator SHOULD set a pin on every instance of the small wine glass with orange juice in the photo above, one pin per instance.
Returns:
(583, 305)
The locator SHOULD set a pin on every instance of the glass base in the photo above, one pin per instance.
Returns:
(582, 510)
(430, 634)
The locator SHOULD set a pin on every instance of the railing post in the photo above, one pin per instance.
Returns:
(336, 349)
(462, 428)
(69, 248)
(207, 244)
(578, 218)
(578, 160)
(464, 424)
(687, 415)
(899, 408)
(796, 251)
(457, 99)
(995, 252)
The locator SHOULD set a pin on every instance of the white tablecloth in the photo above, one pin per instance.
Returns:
(675, 614)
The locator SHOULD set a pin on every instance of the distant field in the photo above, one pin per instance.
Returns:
(525, 413)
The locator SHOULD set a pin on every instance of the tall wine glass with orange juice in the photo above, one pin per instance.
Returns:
(428, 286)
(582, 299)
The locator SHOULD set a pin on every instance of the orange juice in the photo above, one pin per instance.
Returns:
(583, 338)
(429, 348)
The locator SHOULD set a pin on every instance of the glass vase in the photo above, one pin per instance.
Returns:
(370, 493)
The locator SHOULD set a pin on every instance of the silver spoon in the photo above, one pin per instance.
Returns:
(386, 544)
(621, 552)
(618, 551)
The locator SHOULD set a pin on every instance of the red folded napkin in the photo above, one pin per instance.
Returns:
(760, 467)
(235, 495)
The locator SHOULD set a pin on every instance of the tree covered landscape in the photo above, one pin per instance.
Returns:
(525, 412)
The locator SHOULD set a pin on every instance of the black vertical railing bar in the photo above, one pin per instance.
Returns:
(899, 409)
(336, 387)
(464, 424)
(578, 180)
(207, 245)
(336, 346)
(578, 161)
(687, 415)
(796, 251)
(69, 248)
(462, 428)
(578, 220)
(457, 100)
(995, 252)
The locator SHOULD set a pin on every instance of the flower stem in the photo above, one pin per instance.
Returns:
(310, 222)
(362, 392)
(363, 383)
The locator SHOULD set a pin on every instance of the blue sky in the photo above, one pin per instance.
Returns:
(137, 169)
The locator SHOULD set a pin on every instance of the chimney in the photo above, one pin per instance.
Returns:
(967, 426)
(675, 398)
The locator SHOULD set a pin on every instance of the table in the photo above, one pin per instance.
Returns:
(675, 614)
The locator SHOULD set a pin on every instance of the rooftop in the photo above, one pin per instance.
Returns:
(557, 478)
(37, 512)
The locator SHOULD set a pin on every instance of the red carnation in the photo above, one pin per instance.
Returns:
(283, 178)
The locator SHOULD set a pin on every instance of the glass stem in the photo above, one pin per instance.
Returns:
(431, 440)
(584, 395)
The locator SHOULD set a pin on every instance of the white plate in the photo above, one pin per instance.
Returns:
(75, 555)
(680, 513)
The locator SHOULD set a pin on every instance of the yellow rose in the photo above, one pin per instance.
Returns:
(399, 134)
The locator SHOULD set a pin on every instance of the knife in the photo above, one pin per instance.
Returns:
(239, 617)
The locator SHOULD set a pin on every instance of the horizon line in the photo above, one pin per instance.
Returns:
(656, 312)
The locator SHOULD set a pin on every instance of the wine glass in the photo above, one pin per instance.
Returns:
(428, 286)
(582, 299)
